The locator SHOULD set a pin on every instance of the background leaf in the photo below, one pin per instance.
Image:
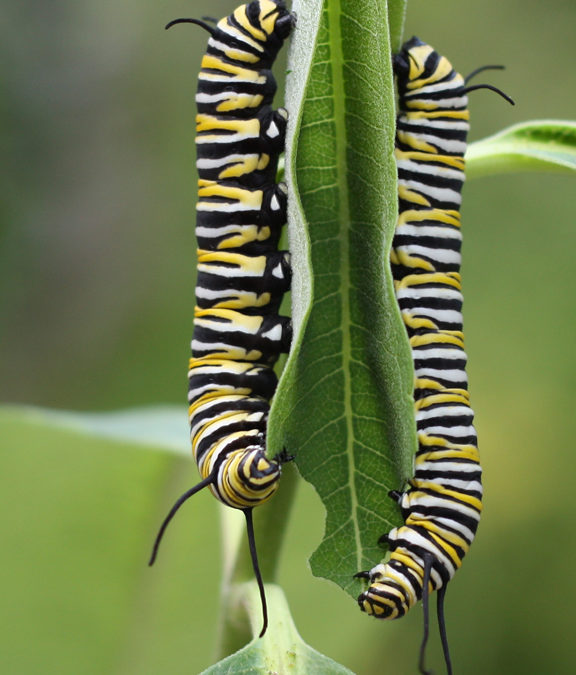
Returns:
(538, 145)
(163, 427)
(83, 511)
(346, 396)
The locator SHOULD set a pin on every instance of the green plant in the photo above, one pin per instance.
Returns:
(342, 178)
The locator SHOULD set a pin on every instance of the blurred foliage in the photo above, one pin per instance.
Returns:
(96, 308)
(534, 146)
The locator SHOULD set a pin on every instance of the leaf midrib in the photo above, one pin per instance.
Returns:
(337, 65)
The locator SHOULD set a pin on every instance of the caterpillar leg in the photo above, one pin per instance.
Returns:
(273, 128)
(283, 457)
(376, 572)
(274, 201)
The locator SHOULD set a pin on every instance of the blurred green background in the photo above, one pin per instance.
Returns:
(96, 295)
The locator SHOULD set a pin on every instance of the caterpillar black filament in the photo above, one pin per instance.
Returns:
(238, 334)
(442, 505)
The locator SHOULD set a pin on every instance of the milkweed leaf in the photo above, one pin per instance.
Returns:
(344, 405)
(538, 145)
(163, 427)
(83, 509)
(396, 18)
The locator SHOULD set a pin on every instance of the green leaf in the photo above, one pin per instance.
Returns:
(345, 399)
(281, 650)
(164, 427)
(82, 511)
(396, 19)
(539, 145)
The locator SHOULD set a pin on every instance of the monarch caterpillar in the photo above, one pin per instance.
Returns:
(442, 505)
(238, 334)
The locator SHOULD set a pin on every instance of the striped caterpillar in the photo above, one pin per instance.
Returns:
(242, 276)
(442, 505)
